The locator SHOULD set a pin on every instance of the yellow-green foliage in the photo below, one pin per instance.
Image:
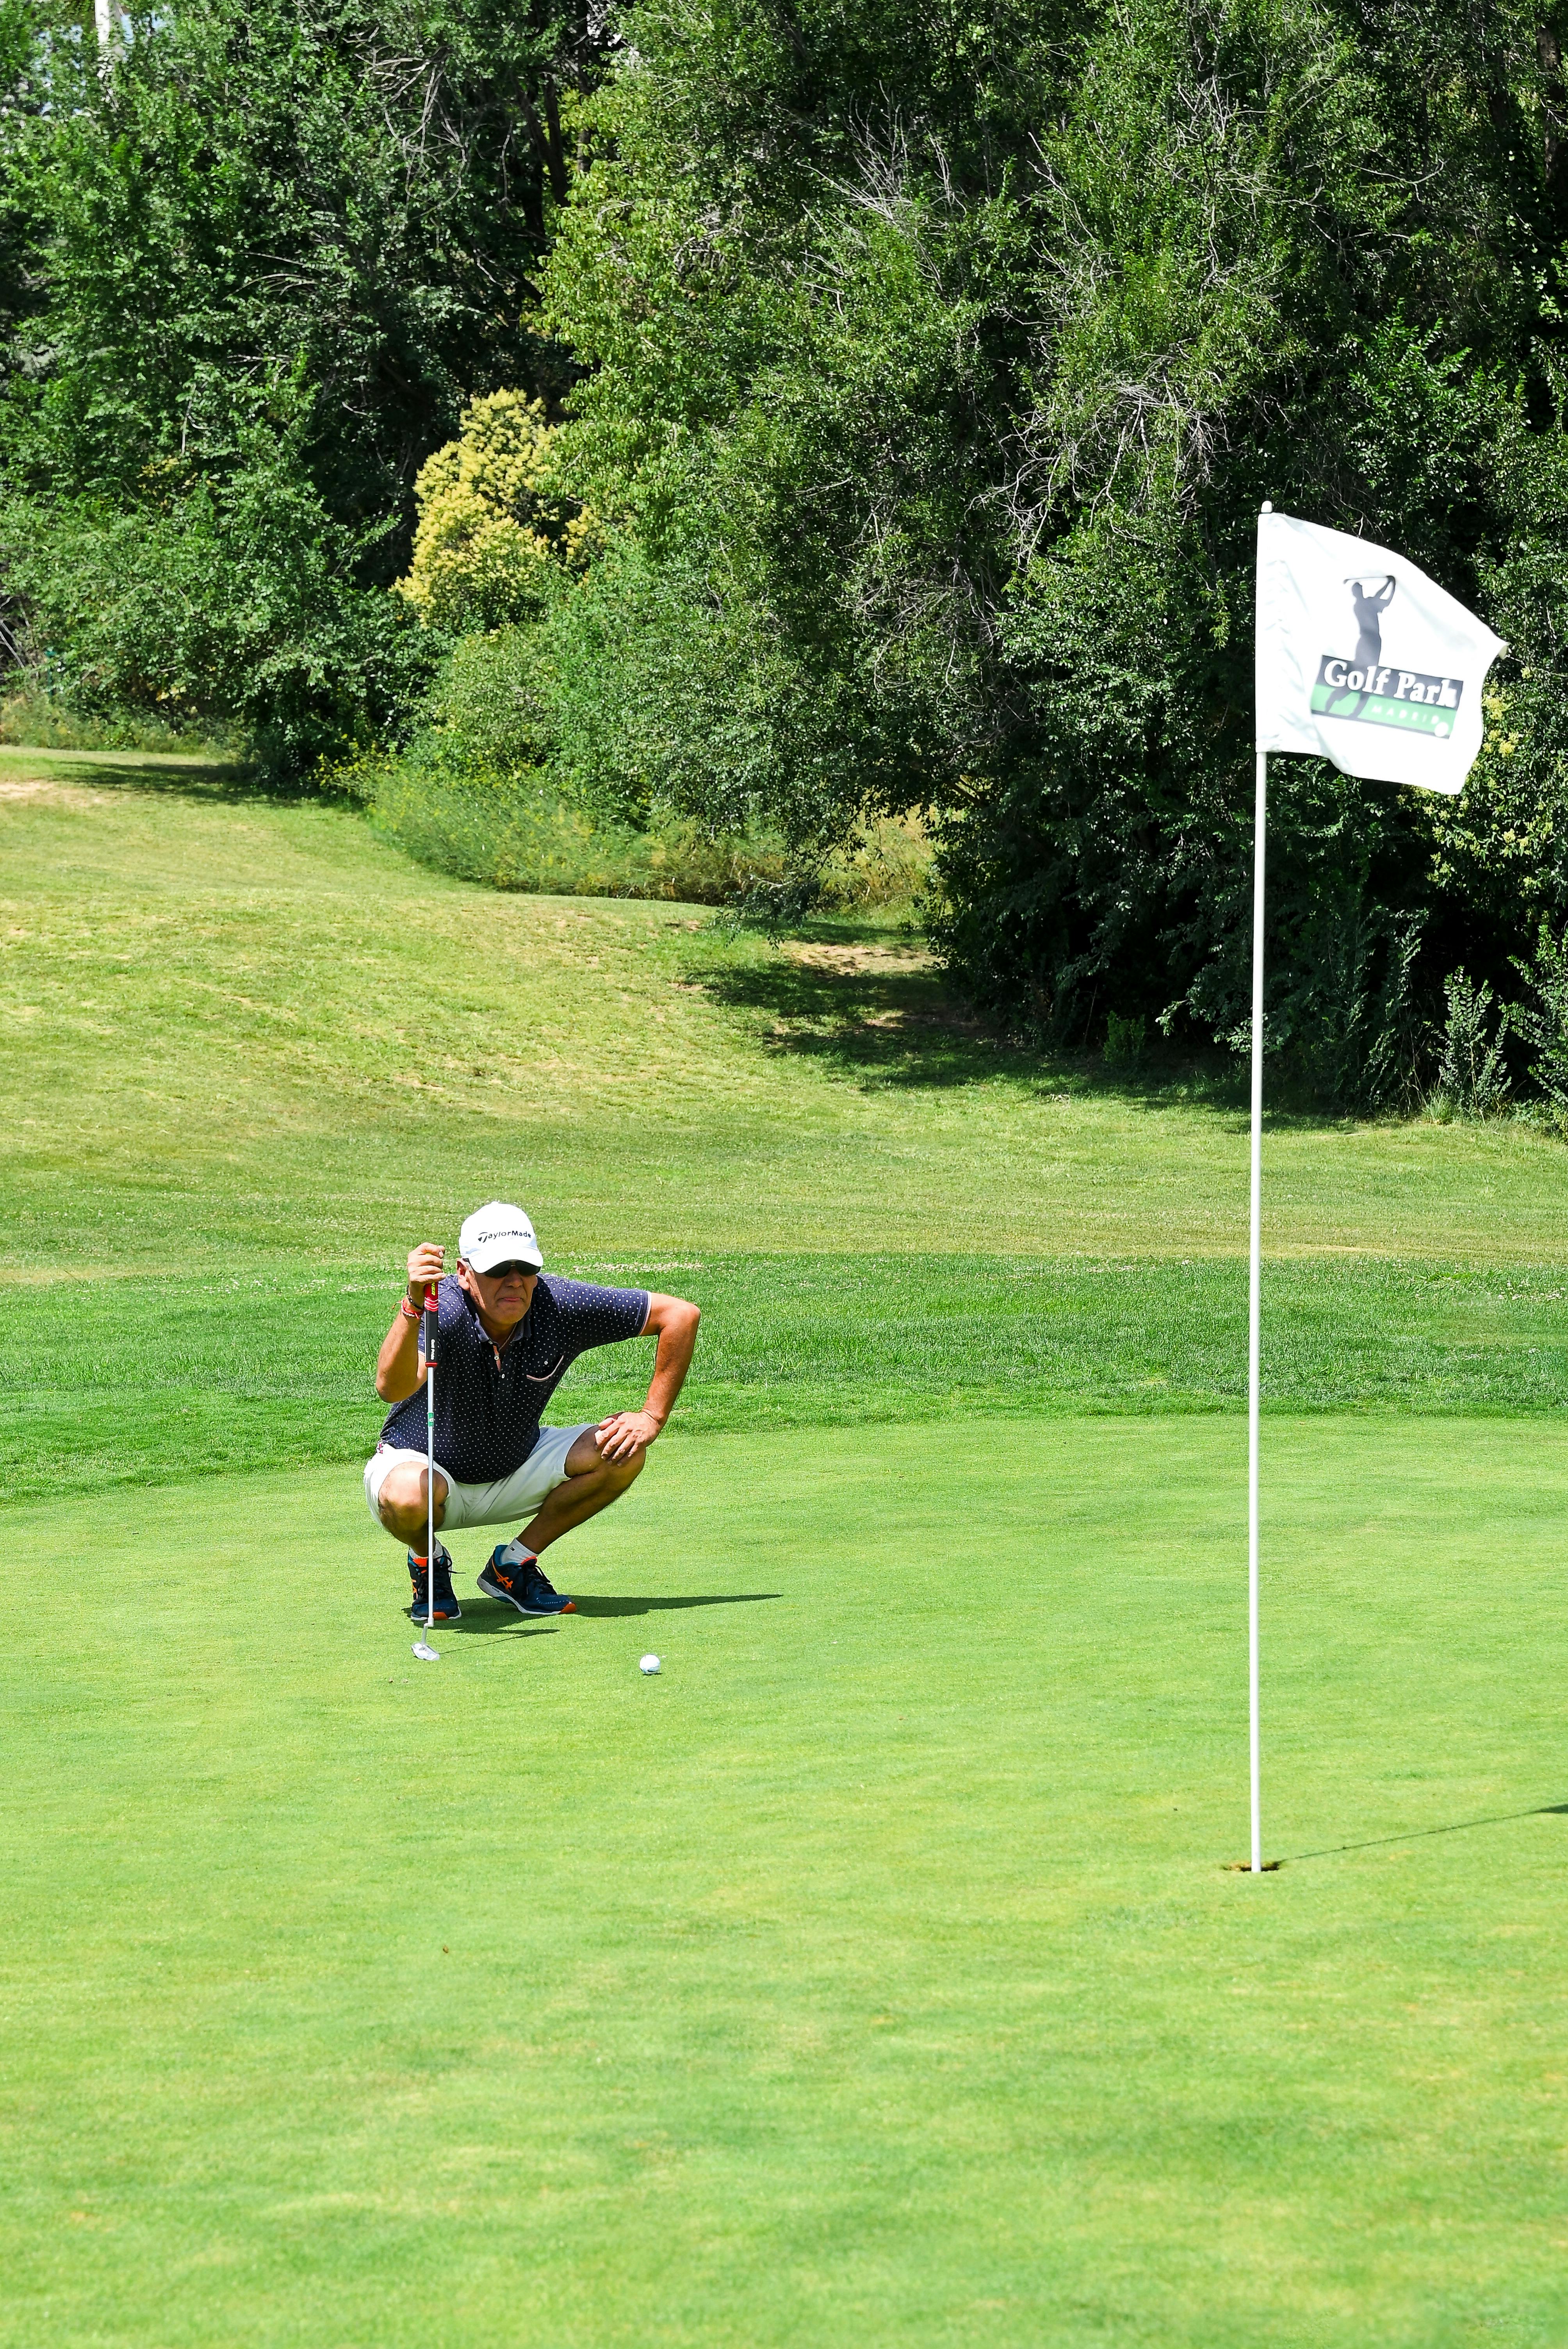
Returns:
(492, 519)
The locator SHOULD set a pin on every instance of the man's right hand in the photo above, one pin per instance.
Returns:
(425, 1264)
(398, 1367)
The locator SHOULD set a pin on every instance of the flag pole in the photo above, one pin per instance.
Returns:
(1253, 1309)
(1303, 574)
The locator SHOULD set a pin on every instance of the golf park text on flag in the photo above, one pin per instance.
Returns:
(1363, 659)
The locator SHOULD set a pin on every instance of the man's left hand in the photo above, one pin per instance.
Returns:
(623, 1431)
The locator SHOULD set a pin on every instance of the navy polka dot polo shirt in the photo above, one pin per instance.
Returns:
(488, 1404)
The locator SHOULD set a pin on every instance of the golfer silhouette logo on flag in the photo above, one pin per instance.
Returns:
(1369, 611)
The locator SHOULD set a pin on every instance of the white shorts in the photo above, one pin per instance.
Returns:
(513, 1496)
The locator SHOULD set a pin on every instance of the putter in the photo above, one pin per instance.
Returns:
(427, 1326)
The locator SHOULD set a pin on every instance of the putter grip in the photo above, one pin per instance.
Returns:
(429, 1325)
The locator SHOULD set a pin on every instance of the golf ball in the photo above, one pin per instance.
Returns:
(649, 1664)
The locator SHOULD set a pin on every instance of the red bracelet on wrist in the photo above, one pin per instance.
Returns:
(409, 1312)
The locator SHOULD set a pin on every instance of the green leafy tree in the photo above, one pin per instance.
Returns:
(269, 254)
(949, 362)
(350, 198)
(232, 603)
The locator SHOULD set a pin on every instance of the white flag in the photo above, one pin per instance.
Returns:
(1363, 659)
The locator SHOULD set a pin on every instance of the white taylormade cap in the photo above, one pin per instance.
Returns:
(498, 1235)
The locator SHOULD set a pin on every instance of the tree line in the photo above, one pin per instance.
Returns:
(766, 416)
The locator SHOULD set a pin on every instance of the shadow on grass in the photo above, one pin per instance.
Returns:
(665, 1606)
(180, 774)
(484, 1622)
(867, 1001)
(875, 1009)
(475, 1626)
(872, 1006)
(1417, 1834)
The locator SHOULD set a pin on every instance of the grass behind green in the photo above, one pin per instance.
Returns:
(242, 1035)
(253, 1054)
(871, 1975)
(265, 1368)
(37, 722)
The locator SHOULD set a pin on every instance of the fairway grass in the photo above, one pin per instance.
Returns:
(239, 1033)
(871, 1975)
(252, 1053)
(265, 1369)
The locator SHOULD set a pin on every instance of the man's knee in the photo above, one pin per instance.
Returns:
(585, 1459)
(609, 1476)
(402, 1506)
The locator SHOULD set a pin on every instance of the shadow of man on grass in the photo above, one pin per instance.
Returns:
(484, 1621)
(632, 1606)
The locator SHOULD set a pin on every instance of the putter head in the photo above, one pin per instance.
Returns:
(426, 1655)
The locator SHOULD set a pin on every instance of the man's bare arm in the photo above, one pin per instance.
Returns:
(398, 1372)
(675, 1321)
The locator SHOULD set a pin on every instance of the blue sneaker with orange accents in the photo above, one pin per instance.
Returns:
(514, 1575)
(446, 1607)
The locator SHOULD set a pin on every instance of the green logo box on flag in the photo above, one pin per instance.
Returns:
(1386, 697)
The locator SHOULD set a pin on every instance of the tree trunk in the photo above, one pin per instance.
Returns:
(1548, 50)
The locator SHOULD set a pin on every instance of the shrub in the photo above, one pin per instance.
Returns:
(1472, 1075)
(230, 602)
(1124, 1040)
(492, 520)
(609, 739)
(1544, 1025)
(517, 829)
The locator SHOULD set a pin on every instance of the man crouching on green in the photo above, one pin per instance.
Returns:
(507, 1334)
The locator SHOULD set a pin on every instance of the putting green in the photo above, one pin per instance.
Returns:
(871, 1975)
